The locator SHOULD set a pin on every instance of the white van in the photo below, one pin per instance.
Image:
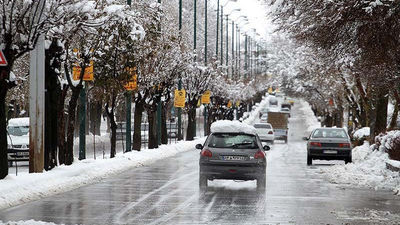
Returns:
(18, 139)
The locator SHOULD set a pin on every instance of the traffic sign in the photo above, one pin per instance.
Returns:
(89, 72)
(179, 98)
(132, 84)
(270, 90)
(3, 61)
(237, 103)
(205, 98)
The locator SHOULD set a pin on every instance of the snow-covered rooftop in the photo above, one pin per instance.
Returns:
(19, 122)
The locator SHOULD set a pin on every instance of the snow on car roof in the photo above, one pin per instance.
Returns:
(16, 122)
(227, 126)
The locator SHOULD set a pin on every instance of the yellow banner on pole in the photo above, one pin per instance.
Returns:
(179, 98)
(205, 98)
(87, 76)
(230, 104)
(132, 83)
(237, 103)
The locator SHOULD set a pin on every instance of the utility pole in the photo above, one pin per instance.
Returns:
(195, 47)
(205, 63)
(222, 35)
(128, 114)
(180, 79)
(159, 104)
(233, 47)
(245, 55)
(227, 45)
(217, 36)
(82, 123)
(37, 99)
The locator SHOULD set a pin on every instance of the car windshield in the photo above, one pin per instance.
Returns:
(18, 131)
(241, 141)
(329, 133)
(262, 126)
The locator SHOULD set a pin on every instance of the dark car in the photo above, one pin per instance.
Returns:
(329, 144)
(233, 156)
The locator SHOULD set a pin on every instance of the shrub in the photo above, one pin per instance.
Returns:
(390, 143)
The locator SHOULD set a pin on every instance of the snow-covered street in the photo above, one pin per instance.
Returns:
(166, 192)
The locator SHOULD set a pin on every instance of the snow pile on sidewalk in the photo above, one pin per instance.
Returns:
(254, 114)
(367, 170)
(362, 132)
(224, 126)
(311, 120)
(15, 190)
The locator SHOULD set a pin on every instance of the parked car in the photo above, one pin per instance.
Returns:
(264, 118)
(263, 111)
(329, 144)
(286, 110)
(18, 139)
(273, 101)
(265, 132)
(232, 151)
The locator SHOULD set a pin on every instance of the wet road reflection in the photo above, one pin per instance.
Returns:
(167, 193)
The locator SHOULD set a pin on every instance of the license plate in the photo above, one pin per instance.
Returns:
(330, 152)
(234, 158)
(22, 153)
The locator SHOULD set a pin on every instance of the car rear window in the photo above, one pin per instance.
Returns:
(240, 141)
(262, 126)
(18, 131)
(327, 133)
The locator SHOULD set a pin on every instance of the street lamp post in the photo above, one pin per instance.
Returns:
(205, 62)
(180, 79)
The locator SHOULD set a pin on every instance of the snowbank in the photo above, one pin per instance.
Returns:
(28, 222)
(23, 188)
(367, 170)
(223, 126)
(254, 114)
(361, 133)
(311, 121)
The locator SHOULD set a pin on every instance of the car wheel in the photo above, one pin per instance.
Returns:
(348, 160)
(261, 182)
(203, 182)
(285, 140)
(10, 163)
(309, 160)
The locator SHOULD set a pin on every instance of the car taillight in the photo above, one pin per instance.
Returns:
(316, 144)
(344, 145)
(270, 132)
(206, 153)
(259, 155)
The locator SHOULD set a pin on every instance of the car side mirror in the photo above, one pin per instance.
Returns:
(306, 138)
(199, 146)
(266, 148)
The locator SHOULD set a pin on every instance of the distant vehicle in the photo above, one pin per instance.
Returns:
(18, 140)
(232, 151)
(264, 118)
(286, 110)
(290, 101)
(286, 105)
(265, 132)
(329, 144)
(263, 111)
(273, 101)
(279, 122)
(279, 95)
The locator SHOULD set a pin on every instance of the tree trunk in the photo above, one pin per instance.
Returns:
(61, 142)
(113, 139)
(381, 113)
(137, 126)
(95, 117)
(3, 129)
(152, 128)
(164, 130)
(191, 132)
(69, 153)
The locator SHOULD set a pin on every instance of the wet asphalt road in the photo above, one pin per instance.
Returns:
(167, 193)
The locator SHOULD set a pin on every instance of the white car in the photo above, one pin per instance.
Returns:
(18, 139)
(265, 132)
(264, 118)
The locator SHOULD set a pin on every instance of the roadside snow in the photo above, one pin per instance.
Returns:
(23, 188)
(363, 132)
(254, 115)
(28, 222)
(367, 170)
(311, 121)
